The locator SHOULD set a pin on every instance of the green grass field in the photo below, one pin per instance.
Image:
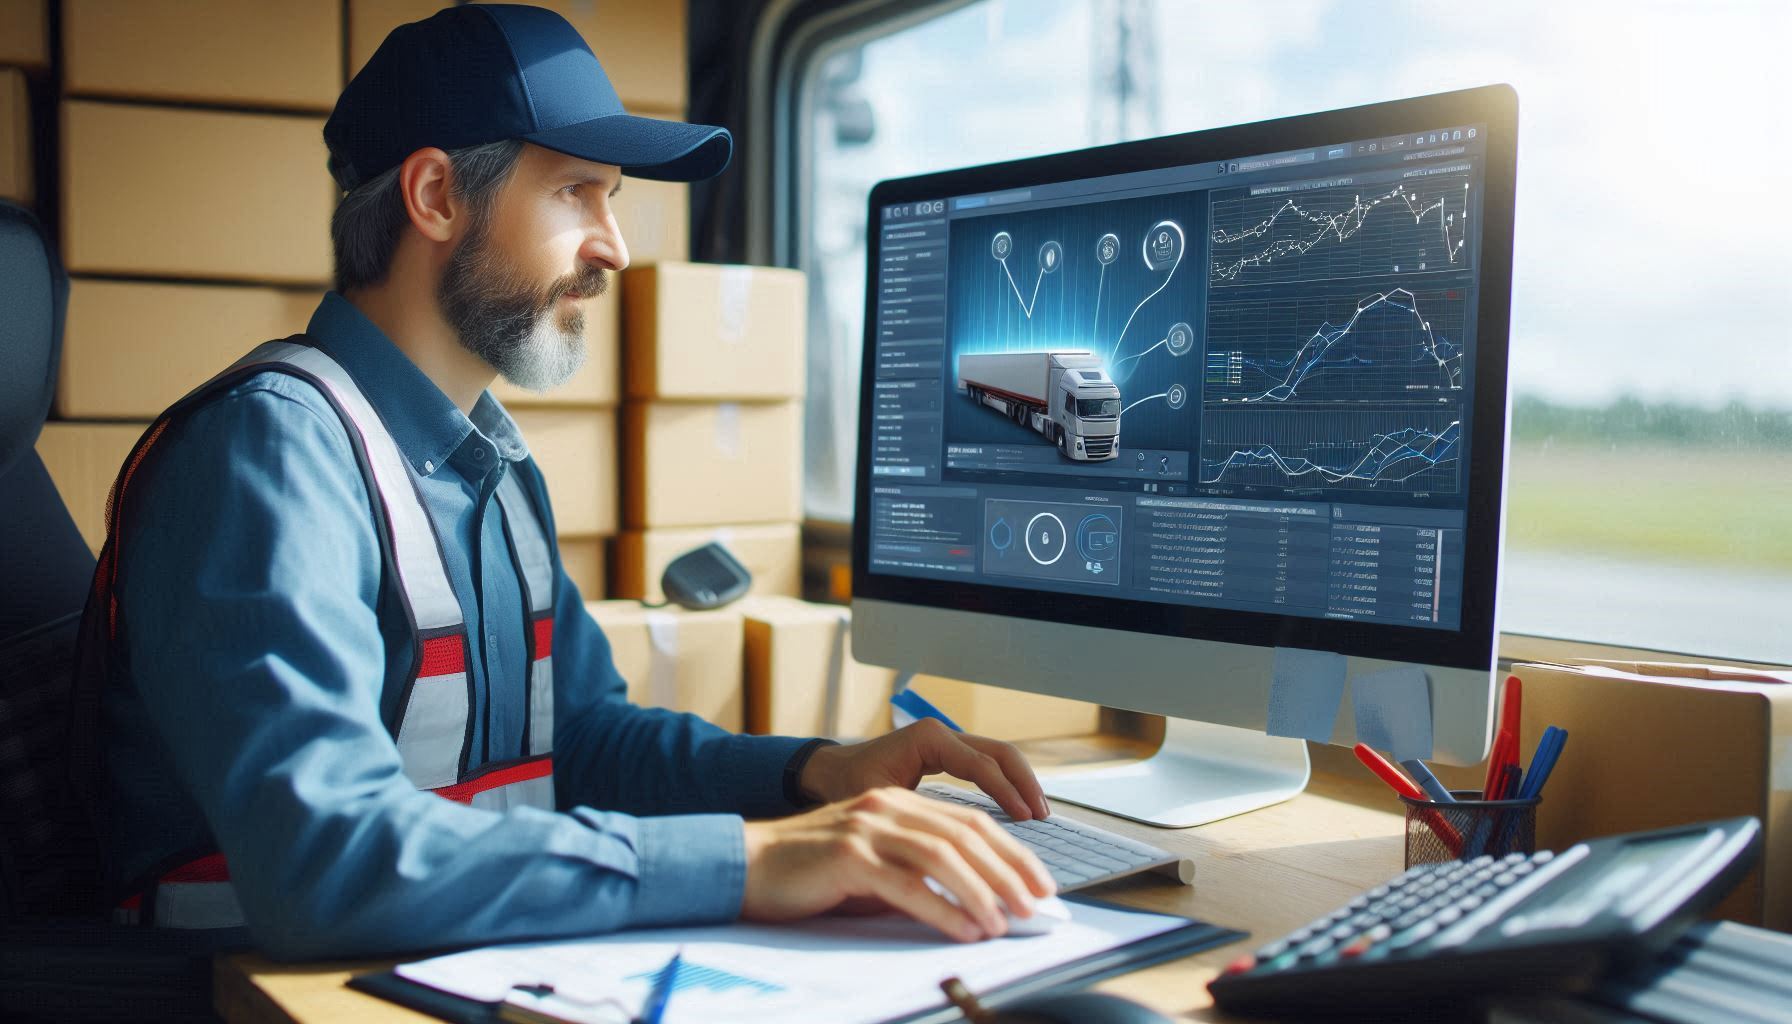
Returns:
(1685, 505)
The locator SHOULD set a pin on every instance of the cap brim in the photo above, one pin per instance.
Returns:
(644, 147)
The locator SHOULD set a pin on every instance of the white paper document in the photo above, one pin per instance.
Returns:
(840, 969)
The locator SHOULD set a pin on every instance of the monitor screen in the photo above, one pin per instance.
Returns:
(1244, 384)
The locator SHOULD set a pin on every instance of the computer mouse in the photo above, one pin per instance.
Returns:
(1076, 1008)
(1048, 913)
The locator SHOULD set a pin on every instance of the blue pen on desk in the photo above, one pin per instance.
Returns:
(1421, 774)
(917, 707)
(661, 993)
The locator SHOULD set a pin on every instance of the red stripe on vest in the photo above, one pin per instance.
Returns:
(544, 637)
(463, 792)
(443, 656)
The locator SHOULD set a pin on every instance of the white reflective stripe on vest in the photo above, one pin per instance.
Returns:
(533, 553)
(420, 570)
(527, 793)
(433, 731)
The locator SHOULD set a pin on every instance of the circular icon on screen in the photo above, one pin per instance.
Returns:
(1097, 538)
(1001, 245)
(1001, 536)
(1163, 245)
(1178, 396)
(1045, 538)
(1108, 249)
(1179, 339)
(1050, 255)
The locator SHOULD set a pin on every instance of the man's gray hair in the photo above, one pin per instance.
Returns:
(369, 220)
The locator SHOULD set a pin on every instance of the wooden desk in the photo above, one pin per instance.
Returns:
(1267, 872)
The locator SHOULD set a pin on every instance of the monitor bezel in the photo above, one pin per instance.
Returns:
(1473, 644)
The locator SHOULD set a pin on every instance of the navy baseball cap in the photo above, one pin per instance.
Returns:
(481, 73)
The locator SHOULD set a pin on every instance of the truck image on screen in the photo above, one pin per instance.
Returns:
(1062, 393)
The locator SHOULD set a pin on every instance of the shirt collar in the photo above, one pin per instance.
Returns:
(425, 422)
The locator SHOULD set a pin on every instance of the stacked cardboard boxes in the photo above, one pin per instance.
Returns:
(712, 428)
(672, 658)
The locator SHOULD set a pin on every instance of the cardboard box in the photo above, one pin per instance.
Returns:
(641, 44)
(1651, 746)
(576, 451)
(209, 51)
(17, 175)
(692, 465)
(25, 34)
(794, 652)
(655, 219)
(1005, 714)
(584, 560)
(239, 197)
(83, 460)
(672, 658)
(773, 553)
(370, 21)
(131, 349)
(596, 383)
(705, 331)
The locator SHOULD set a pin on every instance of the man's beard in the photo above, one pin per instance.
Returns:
(511, 324)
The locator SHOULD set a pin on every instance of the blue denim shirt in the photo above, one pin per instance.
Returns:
(256, 652)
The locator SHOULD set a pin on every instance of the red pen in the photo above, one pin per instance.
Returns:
(1394, 777)
(1511, 704)
(1504, 750)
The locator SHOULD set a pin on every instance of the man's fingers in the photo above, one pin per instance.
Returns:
(929, 855)
(964, 761)
(1002, 861)
(902, 887)
(1015, 767)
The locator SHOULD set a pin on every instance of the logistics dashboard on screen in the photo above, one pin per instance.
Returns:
(1241, 384)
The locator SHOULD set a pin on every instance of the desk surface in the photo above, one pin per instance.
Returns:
(1267, 872)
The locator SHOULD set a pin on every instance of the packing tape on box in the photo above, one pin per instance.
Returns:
(728, 440)
(1305, 690)
(662, 659)
(1393, 711)
(831, 697)
(735, 304)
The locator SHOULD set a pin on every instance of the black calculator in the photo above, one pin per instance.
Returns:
(1464, 930)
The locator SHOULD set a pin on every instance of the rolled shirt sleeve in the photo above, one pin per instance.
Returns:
(248, 586)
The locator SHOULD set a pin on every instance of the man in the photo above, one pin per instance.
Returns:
(350, 698)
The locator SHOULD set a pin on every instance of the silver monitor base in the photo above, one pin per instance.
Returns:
(1202, 773)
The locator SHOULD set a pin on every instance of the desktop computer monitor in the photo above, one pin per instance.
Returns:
(1135, 419)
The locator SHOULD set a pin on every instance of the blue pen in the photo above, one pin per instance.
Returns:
(1549, 748)
(1428, 782)
(917, 706)
(661, 993)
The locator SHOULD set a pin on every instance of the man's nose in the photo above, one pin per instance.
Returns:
(604, 247)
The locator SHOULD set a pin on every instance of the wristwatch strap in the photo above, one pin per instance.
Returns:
(793, 772)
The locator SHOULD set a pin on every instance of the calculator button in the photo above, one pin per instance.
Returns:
(1242, 965)
(1515, 858)
(1504, 879)
(1312, 950)
(1447, 917)
(1342, 932)
(1470, 903)
(1524, 869)
(1542, 857)
(1377, 893)
(1413, 936)
(1481, 861)
(1280, 963)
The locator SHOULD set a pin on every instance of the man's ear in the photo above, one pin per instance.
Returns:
(425, 180)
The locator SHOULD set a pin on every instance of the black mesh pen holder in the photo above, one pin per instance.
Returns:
(1469, 827)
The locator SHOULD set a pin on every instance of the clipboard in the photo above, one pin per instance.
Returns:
(1184, 940)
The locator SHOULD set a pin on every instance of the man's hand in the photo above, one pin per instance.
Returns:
(904, 757)
(877, 849)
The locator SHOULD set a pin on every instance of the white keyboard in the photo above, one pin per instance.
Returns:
(1078, 855)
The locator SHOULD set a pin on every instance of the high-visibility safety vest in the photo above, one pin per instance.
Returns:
(432, 723)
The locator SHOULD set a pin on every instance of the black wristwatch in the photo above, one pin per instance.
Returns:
(793, 772)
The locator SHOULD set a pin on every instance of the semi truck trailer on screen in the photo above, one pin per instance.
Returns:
(1063, 394)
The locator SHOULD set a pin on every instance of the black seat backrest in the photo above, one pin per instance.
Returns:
(48, 855)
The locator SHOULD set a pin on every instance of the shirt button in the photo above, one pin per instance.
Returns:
(491, 640)
(429, 467)
(479, 455)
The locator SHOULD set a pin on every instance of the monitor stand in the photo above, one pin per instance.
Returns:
(1202, 773)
